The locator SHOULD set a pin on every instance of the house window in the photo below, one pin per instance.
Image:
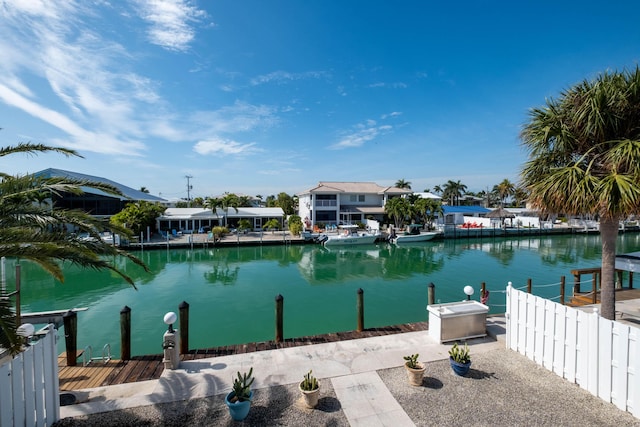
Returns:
(356, 198)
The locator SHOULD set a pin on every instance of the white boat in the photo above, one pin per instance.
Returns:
(349, 235)
(413, 234)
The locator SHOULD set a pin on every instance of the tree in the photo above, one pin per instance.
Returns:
(287, 203)
(137, 216)
(437, 189)
(37, 232)
(398, 208)
(453, 190)
(505, 189)
(144, 190)
(213, 203)
(428, 210)
(295, 224)
(273, 224)
(584, 158)
(401, 183)
(229, 200)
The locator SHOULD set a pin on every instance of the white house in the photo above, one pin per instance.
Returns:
(198, 219)
(334, 203)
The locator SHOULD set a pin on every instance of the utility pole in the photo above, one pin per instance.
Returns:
(189, 187)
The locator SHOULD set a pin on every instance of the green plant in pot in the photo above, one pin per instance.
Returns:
(310, 389)
(415, 369)
(239, 399)
(460, 359)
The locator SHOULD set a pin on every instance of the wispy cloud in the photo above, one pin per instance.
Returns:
(280, 77)
(170, 22)
(395, 85)
(224, 147)
(361, 134)
(239, 117)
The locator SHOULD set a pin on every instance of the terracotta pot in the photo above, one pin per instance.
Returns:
(415, 375)
(310, 397)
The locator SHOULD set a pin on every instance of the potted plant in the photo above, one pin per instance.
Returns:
(415, 369)
(239, 399)
(310, 389)
(460, 359)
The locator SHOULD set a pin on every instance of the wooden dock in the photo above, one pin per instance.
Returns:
(142, 368)
(586, 298)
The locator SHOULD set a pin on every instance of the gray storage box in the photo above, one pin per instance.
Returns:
(457, 320)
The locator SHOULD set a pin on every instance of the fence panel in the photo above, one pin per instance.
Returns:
(600, 355)
(29, 385)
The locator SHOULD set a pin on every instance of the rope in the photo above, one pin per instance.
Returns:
(546, 286)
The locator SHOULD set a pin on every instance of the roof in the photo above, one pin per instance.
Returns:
(242, 212)
(128, 192)
(465, 209)
(354, 187)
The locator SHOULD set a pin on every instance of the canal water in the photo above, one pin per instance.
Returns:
(231, 291)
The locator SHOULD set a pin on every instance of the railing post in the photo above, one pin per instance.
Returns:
(631, 280)
(431, 294)
(360, 310)
(125, 333)
(576, 283)
(279, 322)
(70, 321)
(562, 290)
(529, 286)
(183, 309)
(594, 289)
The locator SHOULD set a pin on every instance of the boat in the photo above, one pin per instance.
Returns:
(412, 234)
(350, 235)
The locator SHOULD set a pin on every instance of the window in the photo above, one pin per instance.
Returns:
(356, 198)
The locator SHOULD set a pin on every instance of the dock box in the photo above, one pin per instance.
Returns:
(457, 320)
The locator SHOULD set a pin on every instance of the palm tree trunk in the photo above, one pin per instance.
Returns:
(608, 234)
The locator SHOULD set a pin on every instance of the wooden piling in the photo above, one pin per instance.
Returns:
(279, 318)
(562, 290)
(70, 321)
(183, 309)
(360, 310)
(125, 333)
(431, 294)
(529, 285)
(594, 289)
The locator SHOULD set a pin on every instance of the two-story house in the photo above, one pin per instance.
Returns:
(335, 203)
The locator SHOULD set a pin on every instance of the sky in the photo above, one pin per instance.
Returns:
(260, 97)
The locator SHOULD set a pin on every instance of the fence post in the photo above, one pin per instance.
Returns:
(70, 321)
(279, 310)
(360, 310)
(431, 294)
(594, 289)
(183, 309)
(562, 290)
(125, 333)
(529, 285)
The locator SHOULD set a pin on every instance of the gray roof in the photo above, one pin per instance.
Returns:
(128, 192)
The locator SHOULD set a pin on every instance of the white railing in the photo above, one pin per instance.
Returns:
(600, 355)
(29, 385)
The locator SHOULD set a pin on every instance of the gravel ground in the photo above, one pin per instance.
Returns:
(275, 406)
(503, 388)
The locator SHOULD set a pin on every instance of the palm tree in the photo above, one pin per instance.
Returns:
(428, 210)
(584, 158)
(397, 208)
(505, 189)
(453, 190)
(437, 189)
(401, 183)
(229, 200)
(213, 203)
(38, 232)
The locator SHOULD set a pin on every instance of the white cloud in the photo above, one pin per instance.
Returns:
(239, 117)
(363, 133)
(170, 22)
(284, 76)
(224, 147)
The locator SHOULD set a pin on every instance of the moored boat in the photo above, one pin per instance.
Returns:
(350, 235)
(413, 234)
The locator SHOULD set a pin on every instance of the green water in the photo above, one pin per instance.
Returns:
(231, 291)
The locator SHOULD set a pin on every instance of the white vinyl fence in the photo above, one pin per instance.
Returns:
(29, 385)
(600, 355)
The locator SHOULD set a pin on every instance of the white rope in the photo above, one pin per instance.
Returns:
(549, 285)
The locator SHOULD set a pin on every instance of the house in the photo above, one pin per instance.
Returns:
(93, 201)
(334, 203)
(192, 220)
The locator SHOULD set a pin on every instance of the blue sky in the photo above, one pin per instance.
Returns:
(259, 97)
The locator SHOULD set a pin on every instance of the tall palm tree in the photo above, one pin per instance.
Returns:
(437, 189)
(37, 232)
(397, 208)
(229, 200)
(505, 189)
(213, 203)
(584, 158)
(401, 183)
(453, 190)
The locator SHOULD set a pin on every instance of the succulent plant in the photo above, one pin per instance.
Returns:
(242, 387)
(412, 361)
(309, 382)
(460, 355)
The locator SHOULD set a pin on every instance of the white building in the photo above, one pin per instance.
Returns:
(335, 203)
(189, 220)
